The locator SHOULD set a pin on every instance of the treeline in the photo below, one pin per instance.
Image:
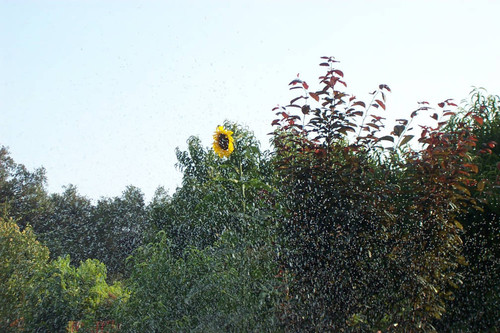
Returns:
(68, 223)
(343, 226)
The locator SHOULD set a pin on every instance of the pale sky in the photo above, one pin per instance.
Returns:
(101, 92)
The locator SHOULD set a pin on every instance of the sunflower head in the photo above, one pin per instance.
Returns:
(223, 142)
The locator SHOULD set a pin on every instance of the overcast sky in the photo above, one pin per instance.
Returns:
(100, 93)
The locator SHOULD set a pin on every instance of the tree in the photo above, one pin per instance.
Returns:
(117, 228)
(477, 301)
(21, 256)
(22, 193)
(370, 236)
(211, 267)
(216, 194)
(65, 226)
(61, 293)
(224, 287)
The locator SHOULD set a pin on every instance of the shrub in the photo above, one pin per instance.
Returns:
(21, 256)
(370, 237)
(218, 289)
(477, 302)
(62, 293)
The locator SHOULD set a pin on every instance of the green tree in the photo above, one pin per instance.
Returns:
(216, 194)
(61, 293)
(477, 301)
(212, 265)
(223, 288)
(117, 228)
(22, 192)
(21, 256)
(65, 226)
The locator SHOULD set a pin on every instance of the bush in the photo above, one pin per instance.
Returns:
(21, 256)
(61, 293)
(477, 303)
(220, 289)
(370, 237)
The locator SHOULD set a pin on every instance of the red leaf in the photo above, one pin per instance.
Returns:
(492, 144)
(275, 122)
(434, 116)
(360, 103)
(480, 185)
(338, 72)
(315, 96)
(377, 118)
(373, 125)
(345, 129)
(324, 64)
(379, 102)
(473, 167)
(485, 151)
(449, 113)
(450, 103)
(294, 82)
(441, 105)
(296, 99)
(424, 108)
(305, 85)
(384, 86)
(339, 95)
(284, 114)
(478, 119)
(461, 188)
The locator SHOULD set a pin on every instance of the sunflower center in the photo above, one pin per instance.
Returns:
(223, 141)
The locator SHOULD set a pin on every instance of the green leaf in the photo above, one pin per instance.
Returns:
(406, 139)
(387, 138)
(398, 130)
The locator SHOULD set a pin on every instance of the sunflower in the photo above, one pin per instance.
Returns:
(223, 142)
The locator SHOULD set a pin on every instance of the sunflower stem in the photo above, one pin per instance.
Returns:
(243, 200)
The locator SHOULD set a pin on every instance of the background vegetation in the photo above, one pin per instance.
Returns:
(348, 224)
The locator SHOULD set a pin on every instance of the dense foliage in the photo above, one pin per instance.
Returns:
(22, 193)
(61, 293)
(211, 266)
(346, 225)
(372, 238)
(477, 301)
(21, 257)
